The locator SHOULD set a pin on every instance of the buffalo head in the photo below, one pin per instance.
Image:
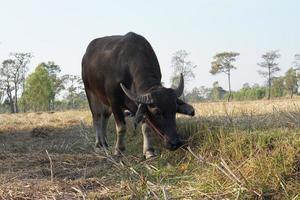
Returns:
(161, 105)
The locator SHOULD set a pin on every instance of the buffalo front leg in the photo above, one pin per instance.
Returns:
(148, 150)
(117, 106)
(120, 144)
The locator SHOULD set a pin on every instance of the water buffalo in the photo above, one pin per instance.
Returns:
(122, 73)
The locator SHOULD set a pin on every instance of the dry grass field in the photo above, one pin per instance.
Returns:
(238, 150)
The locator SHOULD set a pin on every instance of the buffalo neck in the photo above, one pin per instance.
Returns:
(146, 78)
(147, 85)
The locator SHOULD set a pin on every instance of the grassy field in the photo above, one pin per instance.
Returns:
(238, 150)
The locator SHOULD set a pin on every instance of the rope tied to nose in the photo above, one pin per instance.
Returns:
(155, 128)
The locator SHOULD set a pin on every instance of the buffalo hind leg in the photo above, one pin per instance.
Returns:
(148, 150)
(100, 123)
(101, 114)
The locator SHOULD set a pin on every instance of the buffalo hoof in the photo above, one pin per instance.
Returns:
(149, 154)
(100, 145)
(118, 151)
(100, 148)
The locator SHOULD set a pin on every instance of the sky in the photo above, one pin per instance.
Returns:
(60, 30)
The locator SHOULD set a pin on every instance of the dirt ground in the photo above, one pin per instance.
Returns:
(75, 169)
(52, 156)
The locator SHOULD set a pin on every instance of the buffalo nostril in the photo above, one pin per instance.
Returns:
(175, 145)
(193, 113)
(180, 143)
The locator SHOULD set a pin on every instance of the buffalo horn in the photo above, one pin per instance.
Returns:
(145, 98)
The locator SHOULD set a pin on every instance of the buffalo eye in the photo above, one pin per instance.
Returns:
(156, 111)
(151, 105)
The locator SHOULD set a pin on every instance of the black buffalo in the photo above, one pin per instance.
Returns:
(122, 73)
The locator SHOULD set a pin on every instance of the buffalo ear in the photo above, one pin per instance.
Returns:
(185, 108)
(139, 115)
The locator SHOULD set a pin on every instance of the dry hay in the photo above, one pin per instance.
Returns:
(256, 144)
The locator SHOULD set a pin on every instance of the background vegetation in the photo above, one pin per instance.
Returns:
(46, 89)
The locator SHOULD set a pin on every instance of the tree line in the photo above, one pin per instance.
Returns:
(45, 89)
(276, 86)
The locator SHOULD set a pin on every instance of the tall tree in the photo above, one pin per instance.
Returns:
(2, 93)
(296, 66)
(74, 89)
(290, 80)
(58, 82)
(13, 72)
(217, 92)
(182, 65)
(205, 92)
(277, 88)
(271, 67)
(7, 85)
(19, 73)
(38, 89)
(222, 63)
